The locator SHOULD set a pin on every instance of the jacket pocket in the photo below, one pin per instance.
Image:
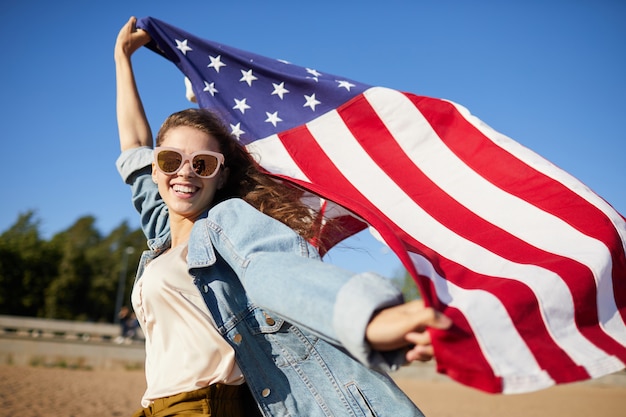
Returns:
(360, 400)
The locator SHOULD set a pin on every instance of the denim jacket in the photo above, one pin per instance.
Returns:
(296, 324)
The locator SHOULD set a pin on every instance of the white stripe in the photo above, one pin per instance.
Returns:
(548, 169)
(493, 204)
(272, 155)
(518, 368)
(609, 317)
(341, 147)
(275, 157)
(471, 190)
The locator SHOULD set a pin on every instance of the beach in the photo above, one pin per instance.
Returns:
(34, 391)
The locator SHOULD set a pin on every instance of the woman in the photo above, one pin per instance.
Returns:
(240, 315)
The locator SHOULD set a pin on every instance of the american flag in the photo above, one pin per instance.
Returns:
(528, 262)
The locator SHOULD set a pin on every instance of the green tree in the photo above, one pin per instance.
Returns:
(27, 266)
(65, 297)
(73, 276)
(109, 264)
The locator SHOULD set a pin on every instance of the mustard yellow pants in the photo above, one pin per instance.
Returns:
(213, 401)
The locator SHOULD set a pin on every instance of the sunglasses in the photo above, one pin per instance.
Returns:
(205, 164)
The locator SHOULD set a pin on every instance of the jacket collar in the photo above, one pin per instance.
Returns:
(200, 248)
(200, 251)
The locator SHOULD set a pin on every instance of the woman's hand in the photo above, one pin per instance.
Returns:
(129, 39)
(406, 325)
(132, 123)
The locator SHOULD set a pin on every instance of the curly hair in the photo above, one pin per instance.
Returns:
(246, 179)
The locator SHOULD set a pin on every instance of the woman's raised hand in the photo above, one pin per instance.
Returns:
(129, 39)
(133, 127)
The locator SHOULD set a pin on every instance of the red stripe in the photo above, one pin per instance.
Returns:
(315, 164)
(328, 181)
(517, 178)
(517, 298)
(495, 164)
(320, 172)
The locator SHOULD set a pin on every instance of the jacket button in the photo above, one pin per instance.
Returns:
(270, 321)
(237, 338)
(265, 393)
(205, 288)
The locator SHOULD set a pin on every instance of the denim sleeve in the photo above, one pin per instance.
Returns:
(135, 168)
(282, 273)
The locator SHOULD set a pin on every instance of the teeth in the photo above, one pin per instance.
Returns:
(184, 189)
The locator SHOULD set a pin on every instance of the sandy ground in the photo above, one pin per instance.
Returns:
(37, 391)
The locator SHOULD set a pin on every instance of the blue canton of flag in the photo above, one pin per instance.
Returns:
(257, 96)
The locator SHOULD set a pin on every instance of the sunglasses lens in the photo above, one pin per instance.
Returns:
(205, 165)
(169, 161)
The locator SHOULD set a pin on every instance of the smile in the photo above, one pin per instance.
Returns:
(185, 189)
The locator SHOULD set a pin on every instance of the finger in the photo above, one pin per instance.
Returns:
(426, 316)
(420, 353)
(422, 349)
(439, 321)
(143, 36)
(418, 338)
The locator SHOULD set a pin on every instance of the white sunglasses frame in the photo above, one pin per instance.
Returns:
(188, 158)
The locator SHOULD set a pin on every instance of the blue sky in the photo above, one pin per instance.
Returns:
(549, 74)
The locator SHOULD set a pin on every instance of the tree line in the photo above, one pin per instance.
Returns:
(75, 275)
(72, 276)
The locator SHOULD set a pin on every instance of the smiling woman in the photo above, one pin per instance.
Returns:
(227, 244)
(186, 193)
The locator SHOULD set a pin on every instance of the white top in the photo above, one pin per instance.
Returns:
(184, 351)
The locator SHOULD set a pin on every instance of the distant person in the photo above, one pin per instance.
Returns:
(240, 316)
(128, 325)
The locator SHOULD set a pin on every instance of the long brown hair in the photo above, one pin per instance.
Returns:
(246, 178)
